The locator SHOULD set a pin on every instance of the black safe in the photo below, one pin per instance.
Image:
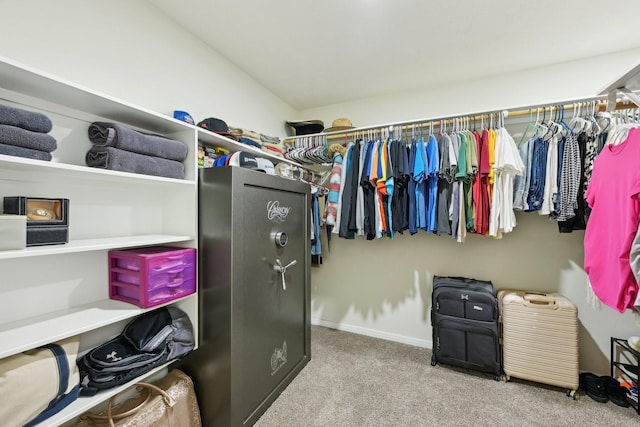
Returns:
(254, 292)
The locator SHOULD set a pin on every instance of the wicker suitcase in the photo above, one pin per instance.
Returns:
(539, 338)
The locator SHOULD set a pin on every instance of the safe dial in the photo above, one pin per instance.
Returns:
(281, 238)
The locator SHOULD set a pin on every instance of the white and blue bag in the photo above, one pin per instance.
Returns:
(38, 383)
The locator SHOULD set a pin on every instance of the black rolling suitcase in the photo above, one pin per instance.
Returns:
(464, 316)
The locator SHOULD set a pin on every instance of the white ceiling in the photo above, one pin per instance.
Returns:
(314, 53)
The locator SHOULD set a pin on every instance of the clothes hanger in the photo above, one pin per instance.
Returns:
(558, 129)
(290, 154)
(558, 126)
(587, 126)
(595, 127)
(541, 127)
(586, 123)
(303, 155)
(526, 129)
(563, 123)
(619, 134)
(551, 125)
(606, 117)
(574, 123)
(319, 151)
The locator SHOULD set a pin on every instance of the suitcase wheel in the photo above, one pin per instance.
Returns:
(433, 360)
(573, 394)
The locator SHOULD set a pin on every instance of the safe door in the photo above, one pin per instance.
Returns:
(270, 294)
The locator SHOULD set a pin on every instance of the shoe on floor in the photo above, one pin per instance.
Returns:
(594, 386)
(616, 393)
(630, 368)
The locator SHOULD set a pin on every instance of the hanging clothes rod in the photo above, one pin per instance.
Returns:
(601, 105)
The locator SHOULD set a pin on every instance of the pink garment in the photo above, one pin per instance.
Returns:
(614, 197)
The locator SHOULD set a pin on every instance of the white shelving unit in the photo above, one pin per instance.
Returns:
(48, 293)
(85, 245)
(33, 332)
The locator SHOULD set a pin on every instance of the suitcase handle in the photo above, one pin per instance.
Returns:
(539, 299)
(466, 279)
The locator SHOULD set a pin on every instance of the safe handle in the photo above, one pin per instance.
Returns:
(283, 269)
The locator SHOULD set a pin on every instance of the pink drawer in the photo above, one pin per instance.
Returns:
(150, 276)
(170, 278)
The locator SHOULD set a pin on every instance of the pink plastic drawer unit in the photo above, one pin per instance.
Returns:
(147, 277)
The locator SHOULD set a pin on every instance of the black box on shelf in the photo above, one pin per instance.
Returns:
(47, 218)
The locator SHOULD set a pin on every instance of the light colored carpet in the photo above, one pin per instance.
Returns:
(354, 380)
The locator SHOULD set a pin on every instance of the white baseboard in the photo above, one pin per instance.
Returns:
(374, 333)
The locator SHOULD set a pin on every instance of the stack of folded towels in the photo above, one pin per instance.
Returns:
(119, 148)
(25, 134)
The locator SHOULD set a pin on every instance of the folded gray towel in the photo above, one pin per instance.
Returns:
(30, 120)
(12, 150)
(127, 161)
(269, 139)
(104, 134)
(13, 135)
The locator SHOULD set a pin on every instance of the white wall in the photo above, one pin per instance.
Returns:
(129, 50)
(382, 288)
(570, 80)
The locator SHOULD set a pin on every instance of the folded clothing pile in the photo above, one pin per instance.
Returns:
(25, 134)
(269, 144)
(119, 148)
(247, 136)
(277, 149)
